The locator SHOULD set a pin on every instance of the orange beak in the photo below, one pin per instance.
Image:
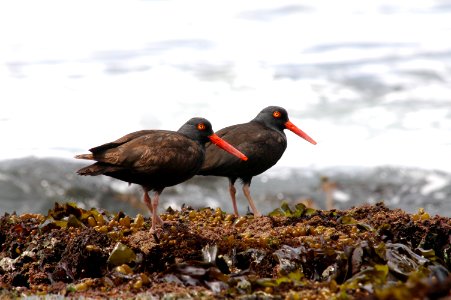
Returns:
(302, 134)
(226, 146)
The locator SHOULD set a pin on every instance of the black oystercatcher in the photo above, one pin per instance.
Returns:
(156, 159)
(262, 140)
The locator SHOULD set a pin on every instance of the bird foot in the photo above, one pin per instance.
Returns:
(167, 224)
(160, 229)
(156, 233)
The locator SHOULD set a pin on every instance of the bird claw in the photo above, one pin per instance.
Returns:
(168, 223)
(159, 220)
(156, 233)
(158, 230)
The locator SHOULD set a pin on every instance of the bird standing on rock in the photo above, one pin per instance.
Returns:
(156, 159)
(262, 140)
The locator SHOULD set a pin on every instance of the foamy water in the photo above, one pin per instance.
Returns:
(370, 81)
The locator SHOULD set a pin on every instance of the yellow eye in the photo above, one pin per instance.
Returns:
(276, 114)
(201, 126)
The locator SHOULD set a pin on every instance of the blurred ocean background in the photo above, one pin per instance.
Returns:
(370, 81)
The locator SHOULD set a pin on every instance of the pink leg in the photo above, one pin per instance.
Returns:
(148, 203)
(155, 216)
(247, 193)
(232, 191)
(147, 200)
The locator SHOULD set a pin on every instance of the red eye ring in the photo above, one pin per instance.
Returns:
(276, 114)
(201, 126)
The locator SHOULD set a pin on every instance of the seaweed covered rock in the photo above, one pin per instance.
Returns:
(368, 252)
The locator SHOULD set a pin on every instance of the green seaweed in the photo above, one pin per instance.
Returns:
(299, 210)
(121, 254)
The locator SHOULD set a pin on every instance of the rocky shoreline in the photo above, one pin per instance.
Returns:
(365, 252)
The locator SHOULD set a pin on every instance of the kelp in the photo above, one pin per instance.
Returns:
(295, 253)
(121, 254)
(299, 210)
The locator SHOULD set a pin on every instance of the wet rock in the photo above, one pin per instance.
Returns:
(367, 252)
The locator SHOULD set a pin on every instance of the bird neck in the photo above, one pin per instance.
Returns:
(269, 124)
(192, 135)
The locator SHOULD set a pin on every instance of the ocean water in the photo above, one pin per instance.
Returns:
(369, 80)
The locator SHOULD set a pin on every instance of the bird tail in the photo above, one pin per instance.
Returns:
(85, 156)
(92, 170)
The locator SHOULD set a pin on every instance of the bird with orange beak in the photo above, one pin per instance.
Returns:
(156, 159)
(262, 140)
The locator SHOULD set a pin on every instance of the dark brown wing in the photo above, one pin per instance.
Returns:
(156, 159)
(262, 145)
(122, 140)
(152, 151)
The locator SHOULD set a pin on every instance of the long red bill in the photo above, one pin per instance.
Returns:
(215, 139)
(302, 134)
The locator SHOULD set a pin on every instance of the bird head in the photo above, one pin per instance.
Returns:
(200, 130)
(276, 117)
